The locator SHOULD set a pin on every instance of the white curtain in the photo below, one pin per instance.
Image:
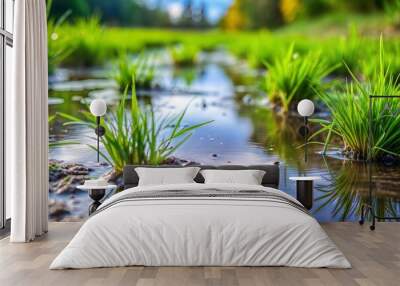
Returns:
(27, 117)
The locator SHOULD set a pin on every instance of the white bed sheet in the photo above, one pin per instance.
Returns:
(200, 232)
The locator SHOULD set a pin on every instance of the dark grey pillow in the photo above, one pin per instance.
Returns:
(270, 179)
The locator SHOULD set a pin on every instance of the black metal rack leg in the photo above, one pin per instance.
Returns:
(364, 212)
(361, 221)
(372, 226)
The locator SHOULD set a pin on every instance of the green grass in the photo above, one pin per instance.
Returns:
(349, 112)
(142, 68)
(261, 51)
(56, 53)
(294, 77)
(92, 44)
(267, 47)
(391, 59)
(184, 55)
(347, 49)
(136, 135)
(86, 41)
(337, 37)
(338, 23)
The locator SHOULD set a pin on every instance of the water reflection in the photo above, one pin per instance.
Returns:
(186, 76)
(348, 189)
(277, 134)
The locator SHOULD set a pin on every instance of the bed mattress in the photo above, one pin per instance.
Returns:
(201, 225)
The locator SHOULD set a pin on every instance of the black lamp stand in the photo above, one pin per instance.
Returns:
(369, 207)
(304, 131)
(96, 195)
(305, 138)
(304, 187)
(100, 131)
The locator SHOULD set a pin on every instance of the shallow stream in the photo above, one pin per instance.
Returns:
(244, 131)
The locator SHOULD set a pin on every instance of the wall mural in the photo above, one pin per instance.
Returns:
(221, 83)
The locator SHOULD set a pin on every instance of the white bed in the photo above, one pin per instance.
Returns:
(207, 230)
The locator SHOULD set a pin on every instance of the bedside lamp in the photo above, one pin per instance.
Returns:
(306, 109)
(304, 184)
(98, 108)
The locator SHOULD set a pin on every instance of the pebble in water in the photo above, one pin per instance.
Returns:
(76, 202)
(58, 209)
(64, 177)
(389, 160)
(247, 99)
(204, 104)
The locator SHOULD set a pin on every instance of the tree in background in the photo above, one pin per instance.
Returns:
(242, 14)
(132, 13)
(128, 13)
(361, 6)
(312, 8)
(193, 17)
(290, 9)
(115, 12)
(77, 8)
(392, 9)
(294, 9)
(234, 18)
(203, 22)
(262, 13)
(253, 14)
(187, 15)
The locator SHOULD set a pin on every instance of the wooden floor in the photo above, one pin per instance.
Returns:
(375, 257)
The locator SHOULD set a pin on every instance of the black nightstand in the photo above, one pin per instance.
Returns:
(304, 190)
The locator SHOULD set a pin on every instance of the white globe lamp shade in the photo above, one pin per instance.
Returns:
(305, 108)
(98, 107)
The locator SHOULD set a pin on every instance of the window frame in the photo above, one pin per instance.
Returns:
(6, 39)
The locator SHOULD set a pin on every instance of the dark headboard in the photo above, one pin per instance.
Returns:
(270, 179)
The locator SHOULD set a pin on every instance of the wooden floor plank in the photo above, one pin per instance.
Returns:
(375, 257)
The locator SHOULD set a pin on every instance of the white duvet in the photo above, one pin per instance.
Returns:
(200, 231)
